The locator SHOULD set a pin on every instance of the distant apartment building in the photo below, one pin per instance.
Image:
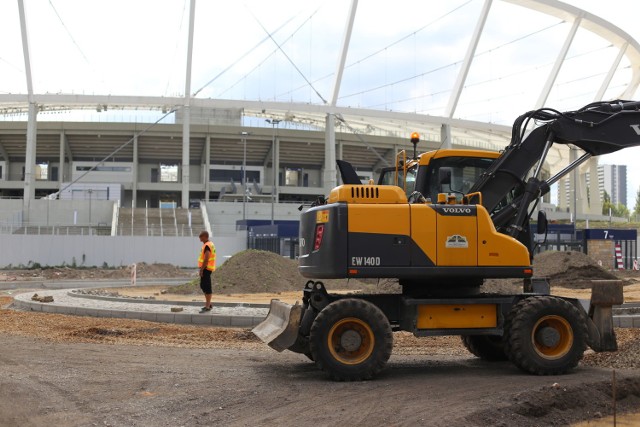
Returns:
(610, 178)
(613, 180)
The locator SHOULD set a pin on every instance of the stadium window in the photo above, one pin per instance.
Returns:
(292, 177)
(42, 172)
(168, 173)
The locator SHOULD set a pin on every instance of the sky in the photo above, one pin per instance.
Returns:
(401, 58)
(619, 13)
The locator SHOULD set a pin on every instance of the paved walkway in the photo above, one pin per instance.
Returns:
(66, 301)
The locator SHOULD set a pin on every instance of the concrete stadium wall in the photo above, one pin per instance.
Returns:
(63, 212)
(58, 212)
(48, 250)
(223, 215)
(10, 210)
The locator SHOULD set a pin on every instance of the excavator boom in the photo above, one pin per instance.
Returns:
(598, 128)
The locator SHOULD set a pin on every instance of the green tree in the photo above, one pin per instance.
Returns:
(621, 211)
(636, 209)
(606, 204)
(618, 210)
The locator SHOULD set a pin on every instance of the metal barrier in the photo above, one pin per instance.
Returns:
(629, 253)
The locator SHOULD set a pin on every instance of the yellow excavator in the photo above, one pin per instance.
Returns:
(441, 223)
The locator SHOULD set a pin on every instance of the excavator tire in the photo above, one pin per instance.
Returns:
(545, 335)
(486, 347)
(351, 340)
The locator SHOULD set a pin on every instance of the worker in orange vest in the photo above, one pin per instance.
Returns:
(206, 264)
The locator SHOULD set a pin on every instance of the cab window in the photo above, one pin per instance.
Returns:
(455, 175)
(387, 177)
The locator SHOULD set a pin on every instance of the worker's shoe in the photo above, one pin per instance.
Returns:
(205, 309)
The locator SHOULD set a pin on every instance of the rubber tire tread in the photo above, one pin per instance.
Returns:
(519, 325)
(486, 347)
(376, 320)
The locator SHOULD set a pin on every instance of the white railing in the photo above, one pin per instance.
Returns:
(59, 230)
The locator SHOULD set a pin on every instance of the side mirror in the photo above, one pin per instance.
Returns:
(542, 223)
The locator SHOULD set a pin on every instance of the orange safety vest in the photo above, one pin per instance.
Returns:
(211, 265)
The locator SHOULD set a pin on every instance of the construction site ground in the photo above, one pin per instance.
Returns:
(78, 371)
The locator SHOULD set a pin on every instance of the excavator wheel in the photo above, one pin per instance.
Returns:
(351, 340)
(545, 335)
(486, 347)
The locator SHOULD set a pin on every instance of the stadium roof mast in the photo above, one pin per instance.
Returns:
(30, 156)
(330, 174)
(445, 133)
(186, 125)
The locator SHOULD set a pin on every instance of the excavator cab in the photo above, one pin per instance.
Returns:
(440, 171)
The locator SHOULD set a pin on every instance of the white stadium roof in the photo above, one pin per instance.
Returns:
(473, 64)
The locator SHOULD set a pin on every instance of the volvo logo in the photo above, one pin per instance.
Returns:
(457, 210)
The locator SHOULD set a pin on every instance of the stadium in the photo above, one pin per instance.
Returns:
(237, 142)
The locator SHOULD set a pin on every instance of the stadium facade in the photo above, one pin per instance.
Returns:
(246, 159)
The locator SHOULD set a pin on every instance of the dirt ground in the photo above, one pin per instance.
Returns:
(78, 371)
(143, 270)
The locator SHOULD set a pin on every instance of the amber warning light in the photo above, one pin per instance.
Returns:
(415, 138)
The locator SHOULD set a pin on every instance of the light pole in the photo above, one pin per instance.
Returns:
(90, 191)
(244, 176)
(274, 123)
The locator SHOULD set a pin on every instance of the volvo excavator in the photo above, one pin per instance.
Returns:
(441, 223)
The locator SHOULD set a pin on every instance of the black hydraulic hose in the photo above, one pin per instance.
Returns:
(620, 105)
(506, 213)
(531, 192)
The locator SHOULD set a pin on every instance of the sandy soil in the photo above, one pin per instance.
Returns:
(78, 371)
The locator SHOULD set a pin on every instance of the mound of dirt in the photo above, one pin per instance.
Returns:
(569, 269)
(253, 271)
(572, 270)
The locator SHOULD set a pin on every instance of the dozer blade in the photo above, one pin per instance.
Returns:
(280, 328)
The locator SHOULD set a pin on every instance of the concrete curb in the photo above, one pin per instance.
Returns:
(163, 302)
(231, 315)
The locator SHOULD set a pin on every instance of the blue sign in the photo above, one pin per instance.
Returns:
(610, 234)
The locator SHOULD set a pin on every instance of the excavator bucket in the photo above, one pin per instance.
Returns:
(280, 328)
